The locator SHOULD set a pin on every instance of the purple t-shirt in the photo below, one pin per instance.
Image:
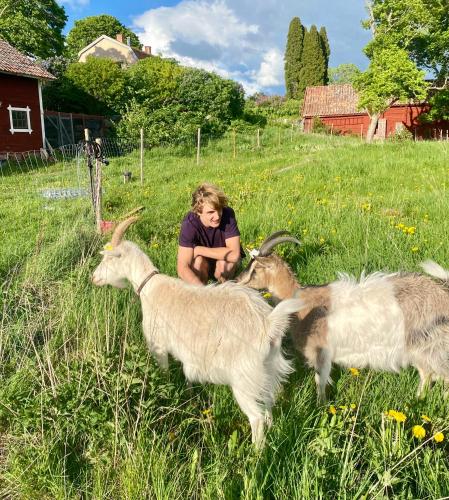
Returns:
(193, 233)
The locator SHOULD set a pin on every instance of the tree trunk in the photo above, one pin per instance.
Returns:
(372, 127)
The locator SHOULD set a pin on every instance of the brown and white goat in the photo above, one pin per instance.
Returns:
(223, 334)
(383, 321)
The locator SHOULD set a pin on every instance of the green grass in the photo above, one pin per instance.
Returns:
(86, 413)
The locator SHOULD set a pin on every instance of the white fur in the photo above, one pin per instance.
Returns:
(225, 334)
(435, 270)
(366, 324)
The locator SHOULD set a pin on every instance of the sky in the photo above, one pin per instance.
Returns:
(239, 39)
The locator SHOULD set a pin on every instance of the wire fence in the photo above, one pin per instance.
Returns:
(48, 176)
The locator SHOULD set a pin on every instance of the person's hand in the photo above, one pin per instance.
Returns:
(196, 252)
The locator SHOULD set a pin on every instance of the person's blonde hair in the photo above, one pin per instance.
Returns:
(208, 193)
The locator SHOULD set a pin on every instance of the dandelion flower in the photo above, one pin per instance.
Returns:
(426, 418)
(396, 415)
(353, 406)
(418, 431)
(343, 407)
(439, 436)
(332, 410)
(354, 372)
(267, 295)
(414, 249)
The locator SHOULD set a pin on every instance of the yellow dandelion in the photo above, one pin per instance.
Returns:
(353, 406)
(108, 247)
(267, 295)
(322, 240)
(207, 411)
(343, 407)
(426, 418)
(439, 436)
(332, 410)
(411, 230)
(354, 372)
(305, 231)
(418, 431)
(289, 222)
(414, 249)
(396, 415)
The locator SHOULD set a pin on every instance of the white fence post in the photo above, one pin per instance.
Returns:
(198, 146)
(141, 156)
(98, 190)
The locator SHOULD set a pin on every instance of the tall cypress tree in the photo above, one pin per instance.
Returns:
(313, 61)
(327, 52)
(293, 56)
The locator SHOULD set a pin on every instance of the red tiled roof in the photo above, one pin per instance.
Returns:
(330, 100)
(15, 63)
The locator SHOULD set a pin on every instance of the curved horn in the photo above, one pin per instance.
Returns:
(268, 246)
(120, 230)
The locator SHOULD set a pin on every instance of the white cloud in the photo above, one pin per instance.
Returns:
(245, 39)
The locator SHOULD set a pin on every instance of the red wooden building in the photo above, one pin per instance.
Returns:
(21, 112)
(336, 106)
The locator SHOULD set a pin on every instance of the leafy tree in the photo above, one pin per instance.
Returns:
(88, 29)
(33, 26)
(97, 86)
(421, 28)
(293, 57)
(313, 71)
(391, 76)
(215, 100)
(343, 73)
(154, 82)
(326, 50)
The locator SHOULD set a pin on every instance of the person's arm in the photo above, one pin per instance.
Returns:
(184, 266)
(229, 253)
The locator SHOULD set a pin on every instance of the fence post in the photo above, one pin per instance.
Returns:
(332, 128)
(235, 146)
(98, 190)
(258, 137)
(198, 146)
(361, 132)
(141, 156)
(291, 134)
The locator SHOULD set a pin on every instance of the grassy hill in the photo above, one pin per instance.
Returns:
(86, 413)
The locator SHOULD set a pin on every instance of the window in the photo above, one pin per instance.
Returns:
(19, 118)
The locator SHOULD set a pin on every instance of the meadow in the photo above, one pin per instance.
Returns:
(86, 413)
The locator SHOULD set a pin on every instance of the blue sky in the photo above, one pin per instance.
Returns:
(239, 39)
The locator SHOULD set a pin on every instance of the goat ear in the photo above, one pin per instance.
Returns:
(112, 253)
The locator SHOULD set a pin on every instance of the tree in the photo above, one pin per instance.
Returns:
(343, 73)
(313, 69)
(390, 77)
(421, 28)
(293, 57)
(326, 50)
(97, 86)
(88, 29)
(33, 26)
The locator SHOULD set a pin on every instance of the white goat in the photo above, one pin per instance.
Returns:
(384, 321)
(224, 334)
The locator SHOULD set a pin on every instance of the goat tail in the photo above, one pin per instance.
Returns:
(279, 318)
(435, 270)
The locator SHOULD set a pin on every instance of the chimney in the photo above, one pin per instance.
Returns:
(147, 49)
(119, 37)
(128, 41)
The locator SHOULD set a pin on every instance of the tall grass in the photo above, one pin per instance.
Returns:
(86, 413)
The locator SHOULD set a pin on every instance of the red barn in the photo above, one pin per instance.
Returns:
(336, 106)
(21, 112)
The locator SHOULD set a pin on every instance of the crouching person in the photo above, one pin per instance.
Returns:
(209, 240)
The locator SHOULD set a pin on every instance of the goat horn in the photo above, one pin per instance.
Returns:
(268, 246)
(120, 230)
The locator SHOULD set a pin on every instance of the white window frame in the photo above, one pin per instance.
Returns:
(14, 130)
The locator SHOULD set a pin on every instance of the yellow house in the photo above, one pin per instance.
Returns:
(118, 50)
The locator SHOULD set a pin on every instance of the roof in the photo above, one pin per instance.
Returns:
(330, 100)
(139, 54)
(342, 99)
(15, 63)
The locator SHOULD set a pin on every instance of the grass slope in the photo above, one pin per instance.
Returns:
(86, 413)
